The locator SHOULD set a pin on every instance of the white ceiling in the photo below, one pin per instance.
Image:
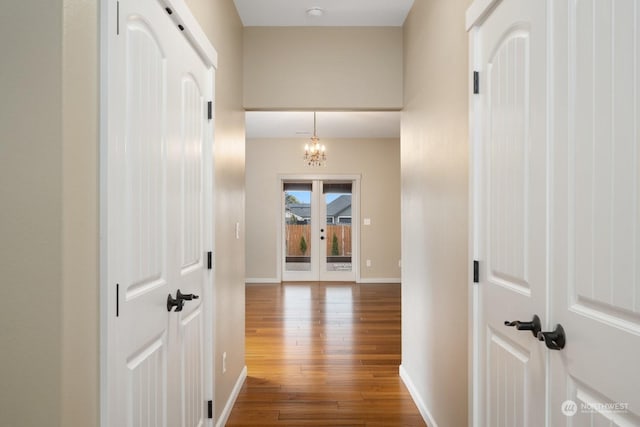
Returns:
(337, 13)
(287, 124)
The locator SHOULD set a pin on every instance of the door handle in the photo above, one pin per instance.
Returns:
(178, 303)
(534, 326)
(186, 297)
(554, 340)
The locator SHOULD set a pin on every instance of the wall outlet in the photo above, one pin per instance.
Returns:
(368, 263)
(367, 221)
(237, 230)
(224, 362)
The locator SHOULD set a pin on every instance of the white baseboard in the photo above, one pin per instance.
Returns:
(417, 399)
(224, 416)
(379, 280)
(271, 280)
(261, 280)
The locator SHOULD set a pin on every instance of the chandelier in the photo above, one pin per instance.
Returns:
(314, 154)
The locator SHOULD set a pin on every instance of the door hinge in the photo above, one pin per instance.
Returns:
(209, 260)
(476, 271)
(210, 110)
(117, 299)
(476, 82)
(209, 408)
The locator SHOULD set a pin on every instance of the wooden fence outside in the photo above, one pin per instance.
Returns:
(294, 233)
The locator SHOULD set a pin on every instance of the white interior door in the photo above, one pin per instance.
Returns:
(596, 227)
(190, 217)
(586, 175)
(510, 188)
(319, 238)
(159, 221)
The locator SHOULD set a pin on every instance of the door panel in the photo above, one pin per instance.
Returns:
(511, 236)
(146, 377)
(191, 351)
(508, 365)
(596, 235)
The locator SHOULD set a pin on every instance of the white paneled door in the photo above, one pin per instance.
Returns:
(556, 212)
(159, 220)
(595, 274)
(512, 214)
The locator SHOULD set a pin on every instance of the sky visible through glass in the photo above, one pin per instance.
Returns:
(305, 196)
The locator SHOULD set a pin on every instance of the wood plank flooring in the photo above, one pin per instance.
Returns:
(323, 354)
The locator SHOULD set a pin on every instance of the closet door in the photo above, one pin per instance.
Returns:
(139, 253)
(159, 221)
(510, 189)
(595, 379)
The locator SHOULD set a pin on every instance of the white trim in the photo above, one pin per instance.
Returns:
(379, 280)
(417, 399)
(478, 11)
(475, 410)
(193, 32)
(268, 280)
(224, 415)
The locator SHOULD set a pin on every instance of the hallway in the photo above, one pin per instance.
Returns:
(323, 353)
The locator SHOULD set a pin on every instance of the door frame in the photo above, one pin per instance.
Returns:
(355, 216)
(109, 124)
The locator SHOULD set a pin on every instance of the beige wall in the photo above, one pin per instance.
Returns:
(80, 266)
(323, 68)
(223, 27)
(31, 148)
(434, 208)
(378, 163)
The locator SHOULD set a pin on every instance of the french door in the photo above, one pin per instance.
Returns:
(319, 229)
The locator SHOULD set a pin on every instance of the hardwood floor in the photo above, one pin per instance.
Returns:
(323, 354)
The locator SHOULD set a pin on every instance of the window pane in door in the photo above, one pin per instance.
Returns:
(297, 212)
(338, 204)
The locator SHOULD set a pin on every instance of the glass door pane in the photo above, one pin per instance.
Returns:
(337, 247)
(298, 243)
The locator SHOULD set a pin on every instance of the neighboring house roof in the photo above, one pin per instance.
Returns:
(340, 206)
(300, 210)
(337, 208)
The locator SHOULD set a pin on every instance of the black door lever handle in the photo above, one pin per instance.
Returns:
(187, 297)
(554, 340)
(534, 326)
(177, 303)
